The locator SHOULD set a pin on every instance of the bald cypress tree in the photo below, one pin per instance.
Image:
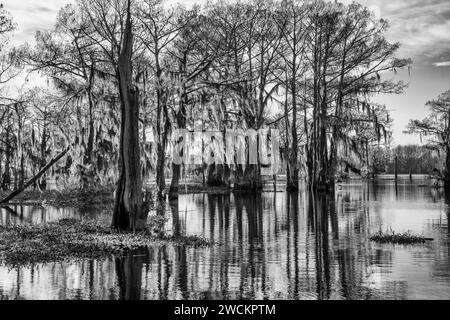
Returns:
(128, 208)
(436, 129)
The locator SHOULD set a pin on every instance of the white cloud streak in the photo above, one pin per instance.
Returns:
(442, 64)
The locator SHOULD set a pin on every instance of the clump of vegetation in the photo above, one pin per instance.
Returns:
(398, 238)
(70, 239)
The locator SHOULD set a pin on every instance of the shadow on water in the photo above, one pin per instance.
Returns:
(447, 203)
(36, 214)
(278, 245)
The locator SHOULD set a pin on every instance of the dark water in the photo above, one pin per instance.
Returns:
(275, 245)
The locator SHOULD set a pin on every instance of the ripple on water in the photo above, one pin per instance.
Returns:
(274, 245)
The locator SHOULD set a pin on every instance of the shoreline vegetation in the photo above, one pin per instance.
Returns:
(99, 196)
(105, 194)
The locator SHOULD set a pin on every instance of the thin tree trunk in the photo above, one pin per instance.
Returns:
(292, 179)
(160, 170)
(176, 168)
(395, 166)
(43, 182)
(287, 147)
(6, 179)
(22, 170)
(162, 129)
(447, 168)
(1, 162)
(176, 175)
(447, 159)
(90, 142)
(21, 173)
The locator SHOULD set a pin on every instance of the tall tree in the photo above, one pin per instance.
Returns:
(347, 52)
(294, 30)
(159, 30)
(72, 61)
(250, 38)
(128, 206)
(193, 55)
(8, 70)
(436, 128)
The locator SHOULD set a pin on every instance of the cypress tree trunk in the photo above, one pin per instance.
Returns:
(160, 176)
(90, 142)
(22, 170)
(128, 208)
(176, 168)
(1, 159)
(162, 131)
(43, 181)
(292, 174)
(447, 159)
(176, 174)
(6, 178)
(447, 168)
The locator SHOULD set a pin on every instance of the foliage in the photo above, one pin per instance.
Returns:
(379, 160)
(436, 126)
(398, 238)
(416, 159)
(436, 129)
(70, 239)
(228, 65)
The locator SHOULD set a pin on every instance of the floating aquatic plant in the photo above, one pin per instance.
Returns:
(398, 238)
(73, 239)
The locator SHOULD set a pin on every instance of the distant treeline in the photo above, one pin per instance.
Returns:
(418, 159)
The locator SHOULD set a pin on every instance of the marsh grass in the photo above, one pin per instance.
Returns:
(70, 239)
(398, 238)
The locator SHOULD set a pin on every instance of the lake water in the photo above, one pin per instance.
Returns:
(274, 245)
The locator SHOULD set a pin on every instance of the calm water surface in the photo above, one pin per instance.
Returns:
(274, 245)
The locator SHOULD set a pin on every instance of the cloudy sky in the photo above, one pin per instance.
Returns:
(421, 26)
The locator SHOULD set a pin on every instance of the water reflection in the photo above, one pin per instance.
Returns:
(274, 245)
(35, 214)
(447, 206)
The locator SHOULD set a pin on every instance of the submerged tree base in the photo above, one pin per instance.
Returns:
(70, 239)
(398, 238)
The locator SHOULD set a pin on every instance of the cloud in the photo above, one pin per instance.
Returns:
(31, 15)
(421, 26)
(442, 64)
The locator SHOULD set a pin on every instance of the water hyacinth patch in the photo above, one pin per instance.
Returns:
(398, 238)
(70, 239)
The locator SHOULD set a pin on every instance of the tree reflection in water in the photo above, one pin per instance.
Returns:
(129, 274)
(447, 204)
(272, 245)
